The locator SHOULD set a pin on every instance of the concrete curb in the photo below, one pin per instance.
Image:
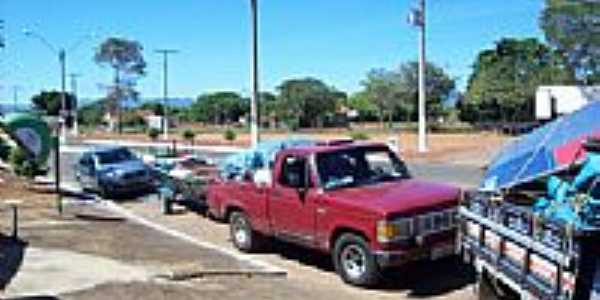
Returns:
(221, 149)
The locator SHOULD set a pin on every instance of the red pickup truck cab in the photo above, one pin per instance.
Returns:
(354, 201)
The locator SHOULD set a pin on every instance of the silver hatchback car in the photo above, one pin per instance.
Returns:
(113, 172)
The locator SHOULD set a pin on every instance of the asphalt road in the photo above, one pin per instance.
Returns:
(461, 175)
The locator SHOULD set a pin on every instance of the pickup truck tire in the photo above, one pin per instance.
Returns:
(105, 192)
(354, 262)
(244, 238)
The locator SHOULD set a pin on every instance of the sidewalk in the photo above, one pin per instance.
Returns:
(99, 243)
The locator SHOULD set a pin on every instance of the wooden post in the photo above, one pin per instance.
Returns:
(14, 206)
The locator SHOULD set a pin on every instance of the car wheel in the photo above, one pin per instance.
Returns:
(244, 238)
(105, 192)
(354, 262)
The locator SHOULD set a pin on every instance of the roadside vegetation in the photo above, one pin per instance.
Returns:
(500, 90)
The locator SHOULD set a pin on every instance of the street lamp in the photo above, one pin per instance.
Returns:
(254, 117)
(74, 106)
(165, 122)
(61, 131)
(417, 19)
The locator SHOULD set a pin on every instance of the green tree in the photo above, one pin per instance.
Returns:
(504, 81)
(189, 135)
(92, 114)
(22, 166)
(360, 102)
(126, 59)
(156, 108)
(219, 108)
(572, 27)
(382, 89)
(439, 87)
(396, 92)
(229, 135)
(307, 102)
(153, 133)
(269, 108)
(49, 102)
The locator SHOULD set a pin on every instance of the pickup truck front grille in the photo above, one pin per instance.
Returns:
(435, 222)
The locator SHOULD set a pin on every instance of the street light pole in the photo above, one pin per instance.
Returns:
(74, 106)
(418, 19)
(61, 128)
(62, 57)
(254, 115)
(165, 122)
(422, 145)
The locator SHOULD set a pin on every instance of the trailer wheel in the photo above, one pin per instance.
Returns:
(244, 238)
(354, 262)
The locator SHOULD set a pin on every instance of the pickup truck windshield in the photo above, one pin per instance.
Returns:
(114, 156)
(359, 166)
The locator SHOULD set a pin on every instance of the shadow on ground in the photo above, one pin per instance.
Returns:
(36, 298)
(11, 257)
(427, 278)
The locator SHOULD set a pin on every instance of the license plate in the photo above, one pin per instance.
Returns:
(442, 251)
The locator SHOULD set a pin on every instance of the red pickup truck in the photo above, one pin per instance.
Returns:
(355, 201)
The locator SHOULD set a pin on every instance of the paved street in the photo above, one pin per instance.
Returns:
(467, 176)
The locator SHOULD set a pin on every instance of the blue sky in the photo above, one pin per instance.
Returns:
(335, 40)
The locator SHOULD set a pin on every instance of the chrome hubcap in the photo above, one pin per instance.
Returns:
(239, 232)
(354, 260)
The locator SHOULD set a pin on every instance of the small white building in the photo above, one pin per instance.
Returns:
(553, 101)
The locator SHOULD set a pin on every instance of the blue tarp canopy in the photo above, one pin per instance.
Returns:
(546, 150)
(263, 155)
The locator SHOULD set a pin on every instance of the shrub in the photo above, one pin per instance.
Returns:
(230, 135)
(189, 135)
(153, 133)
(4, 150)
(22, 166)
(359, 136)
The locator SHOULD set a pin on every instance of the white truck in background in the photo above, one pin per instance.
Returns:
(554, 101)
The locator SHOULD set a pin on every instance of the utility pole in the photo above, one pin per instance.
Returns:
(62, 57)
(74, 106)
(417, 18)
(165, 122)
(60, 126)
(254, 114)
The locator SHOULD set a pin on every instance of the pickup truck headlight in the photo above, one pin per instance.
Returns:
(390, 231)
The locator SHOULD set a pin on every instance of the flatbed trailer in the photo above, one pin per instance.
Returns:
(524, 256)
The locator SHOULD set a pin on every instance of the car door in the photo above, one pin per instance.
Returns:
(292, 201)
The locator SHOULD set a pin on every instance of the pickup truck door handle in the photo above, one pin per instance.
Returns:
(321, 210)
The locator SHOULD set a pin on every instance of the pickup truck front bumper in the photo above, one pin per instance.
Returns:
(395, 258)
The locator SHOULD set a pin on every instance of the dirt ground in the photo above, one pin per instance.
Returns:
(36, 202)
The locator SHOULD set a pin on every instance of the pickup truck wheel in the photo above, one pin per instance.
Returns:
(354, 261)
(105, 192)
(243, 236)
